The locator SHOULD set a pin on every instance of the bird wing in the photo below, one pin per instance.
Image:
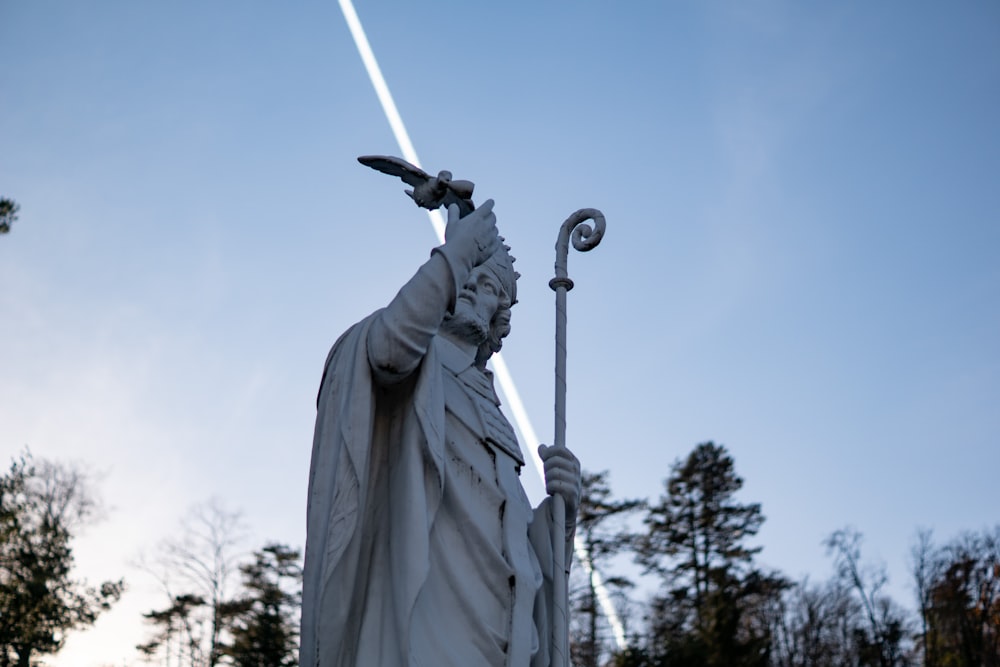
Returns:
(395, 166)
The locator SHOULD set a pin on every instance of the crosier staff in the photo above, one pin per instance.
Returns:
(585, 237)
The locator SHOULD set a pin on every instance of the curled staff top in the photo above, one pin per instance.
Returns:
(584, 236)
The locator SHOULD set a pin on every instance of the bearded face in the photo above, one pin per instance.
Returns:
(467, 325)
(475, 306)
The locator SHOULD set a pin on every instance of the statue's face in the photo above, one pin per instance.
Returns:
(475, 306)
(480, 295)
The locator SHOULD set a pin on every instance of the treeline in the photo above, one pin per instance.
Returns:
(715, 606)
(223, 605)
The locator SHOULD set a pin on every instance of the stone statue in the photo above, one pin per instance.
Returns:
(422, 547)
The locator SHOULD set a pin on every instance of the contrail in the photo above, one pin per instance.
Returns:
(500, 370)
(385, 98)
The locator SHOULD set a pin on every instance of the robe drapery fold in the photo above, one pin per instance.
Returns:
(376, 484)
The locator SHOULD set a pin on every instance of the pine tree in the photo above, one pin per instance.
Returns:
(598, 524)
(265, 630)
(696, 541)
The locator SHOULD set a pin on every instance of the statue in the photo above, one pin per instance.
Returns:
(422, 547)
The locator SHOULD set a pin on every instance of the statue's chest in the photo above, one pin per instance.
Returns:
(480, 553)
(472, 403)
(483, 459)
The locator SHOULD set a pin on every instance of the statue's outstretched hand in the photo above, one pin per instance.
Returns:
(562, 476)
(474, 237)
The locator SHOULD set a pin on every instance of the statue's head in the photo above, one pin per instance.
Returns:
(501, 266)
(482, 308)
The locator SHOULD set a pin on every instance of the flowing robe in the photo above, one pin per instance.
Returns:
(422, 550)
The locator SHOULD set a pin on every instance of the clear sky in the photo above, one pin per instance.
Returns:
(802, 259)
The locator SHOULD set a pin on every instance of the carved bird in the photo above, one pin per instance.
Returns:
(428, 191)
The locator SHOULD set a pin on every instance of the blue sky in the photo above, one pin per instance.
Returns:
(801, 259)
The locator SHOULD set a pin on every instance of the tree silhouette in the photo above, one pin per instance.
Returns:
(881, 640)
(598, 525)
(959, 592)
(8, 214)
(265, 627)
(711, 610)
(41, 505)
(196, 570)
(817, 625)
(178, 628)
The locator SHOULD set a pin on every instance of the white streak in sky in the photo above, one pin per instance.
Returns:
(385, 98)
(510, 393)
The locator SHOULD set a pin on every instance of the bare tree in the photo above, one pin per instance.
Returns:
(925, 564)
(197, 570)
(884, 644)
(816, 625)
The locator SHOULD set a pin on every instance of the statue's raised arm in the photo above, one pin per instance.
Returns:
(401, 333)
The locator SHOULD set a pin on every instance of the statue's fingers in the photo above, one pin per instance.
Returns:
(494, 243)
(562, 488)
(558, 452)
(564, 476)
(557, 460)
(561, 482)
(570, 458)
(561, 475)
(489, 227)
(453, 213)
(553, 484)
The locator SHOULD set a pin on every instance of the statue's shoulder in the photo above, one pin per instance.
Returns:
(349, 350)
(354, 334)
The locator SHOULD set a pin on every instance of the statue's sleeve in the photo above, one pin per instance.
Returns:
(337, 495)
(401, 333)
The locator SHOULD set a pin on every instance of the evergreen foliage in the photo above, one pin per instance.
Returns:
(599, 524)
(8, 214)
(216, 620)
(41, 505)
(712, 608)
(265, 626)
